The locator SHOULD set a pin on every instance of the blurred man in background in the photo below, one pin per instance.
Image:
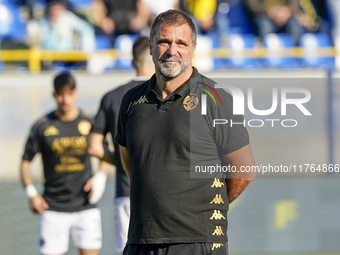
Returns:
(70, 196)
(274, 16)
(207, 15)
(61, 28)
(106, 122)
(115, 17)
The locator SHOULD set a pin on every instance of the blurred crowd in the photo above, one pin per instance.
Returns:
(94, 24)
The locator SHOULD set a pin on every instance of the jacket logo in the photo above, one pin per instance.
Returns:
(217, 200)
(51, 131)
(141, 100)
(218, 231)
(217, 215)
(216, 246)
(190, 102)
(217, 183)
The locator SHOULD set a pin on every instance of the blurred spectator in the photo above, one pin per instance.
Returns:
(207, 15)
(61, 28)
(119, 16)
(334, 7)
(275, 16)
(314, 16)
(31, 3)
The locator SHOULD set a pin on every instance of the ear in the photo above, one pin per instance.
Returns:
(193, 51)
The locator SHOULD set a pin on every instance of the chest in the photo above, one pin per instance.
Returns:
(66, 138)
(161, 121)
(173, 122)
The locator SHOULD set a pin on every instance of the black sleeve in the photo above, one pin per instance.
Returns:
(33, 145)
(100, 124)
(120, 137)
(233, 135)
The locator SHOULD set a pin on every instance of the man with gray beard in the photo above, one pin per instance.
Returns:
(162, 135)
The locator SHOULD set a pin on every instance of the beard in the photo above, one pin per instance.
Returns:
(170, 70)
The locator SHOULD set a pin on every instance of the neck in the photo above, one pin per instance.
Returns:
(168, 86)
(147, 72)
(70, 115)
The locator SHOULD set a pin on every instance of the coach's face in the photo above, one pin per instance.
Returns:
(172, 49)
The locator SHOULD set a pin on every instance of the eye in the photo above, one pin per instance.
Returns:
(163, 44)
(182, 44)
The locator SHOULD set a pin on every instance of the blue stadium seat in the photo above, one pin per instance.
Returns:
(219, 63)
(124, 43)
(237, 43)
(103, 42)
(12, 24)
(7, 2)
(312, 42)
(238, 18)
(203, 60)
(275, 43)
(80, 4)
(2, 66)
(61, 66)
(41, 5)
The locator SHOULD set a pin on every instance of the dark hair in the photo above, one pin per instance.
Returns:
(64, 79)
(173, 17)
(140, 46)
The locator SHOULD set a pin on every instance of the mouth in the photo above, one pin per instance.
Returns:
(65, 107)
(170, 62)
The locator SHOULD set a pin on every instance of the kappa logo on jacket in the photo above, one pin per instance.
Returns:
(51, 131)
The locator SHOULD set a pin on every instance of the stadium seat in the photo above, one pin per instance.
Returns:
(275, 44)
(12, 24)
(103, 42)
(124, 43)
(310, 44)
(2, 66)
(219, 63)
(238, 18)
(203, 60)
(80, 4)
(61, 66)
(98, 63)
(237, 43)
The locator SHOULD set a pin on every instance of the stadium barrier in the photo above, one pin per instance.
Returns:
(35, 56)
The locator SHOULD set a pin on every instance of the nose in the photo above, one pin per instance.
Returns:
(172, 49)
(65, 99)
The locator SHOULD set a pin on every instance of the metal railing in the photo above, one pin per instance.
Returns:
(35, 56)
